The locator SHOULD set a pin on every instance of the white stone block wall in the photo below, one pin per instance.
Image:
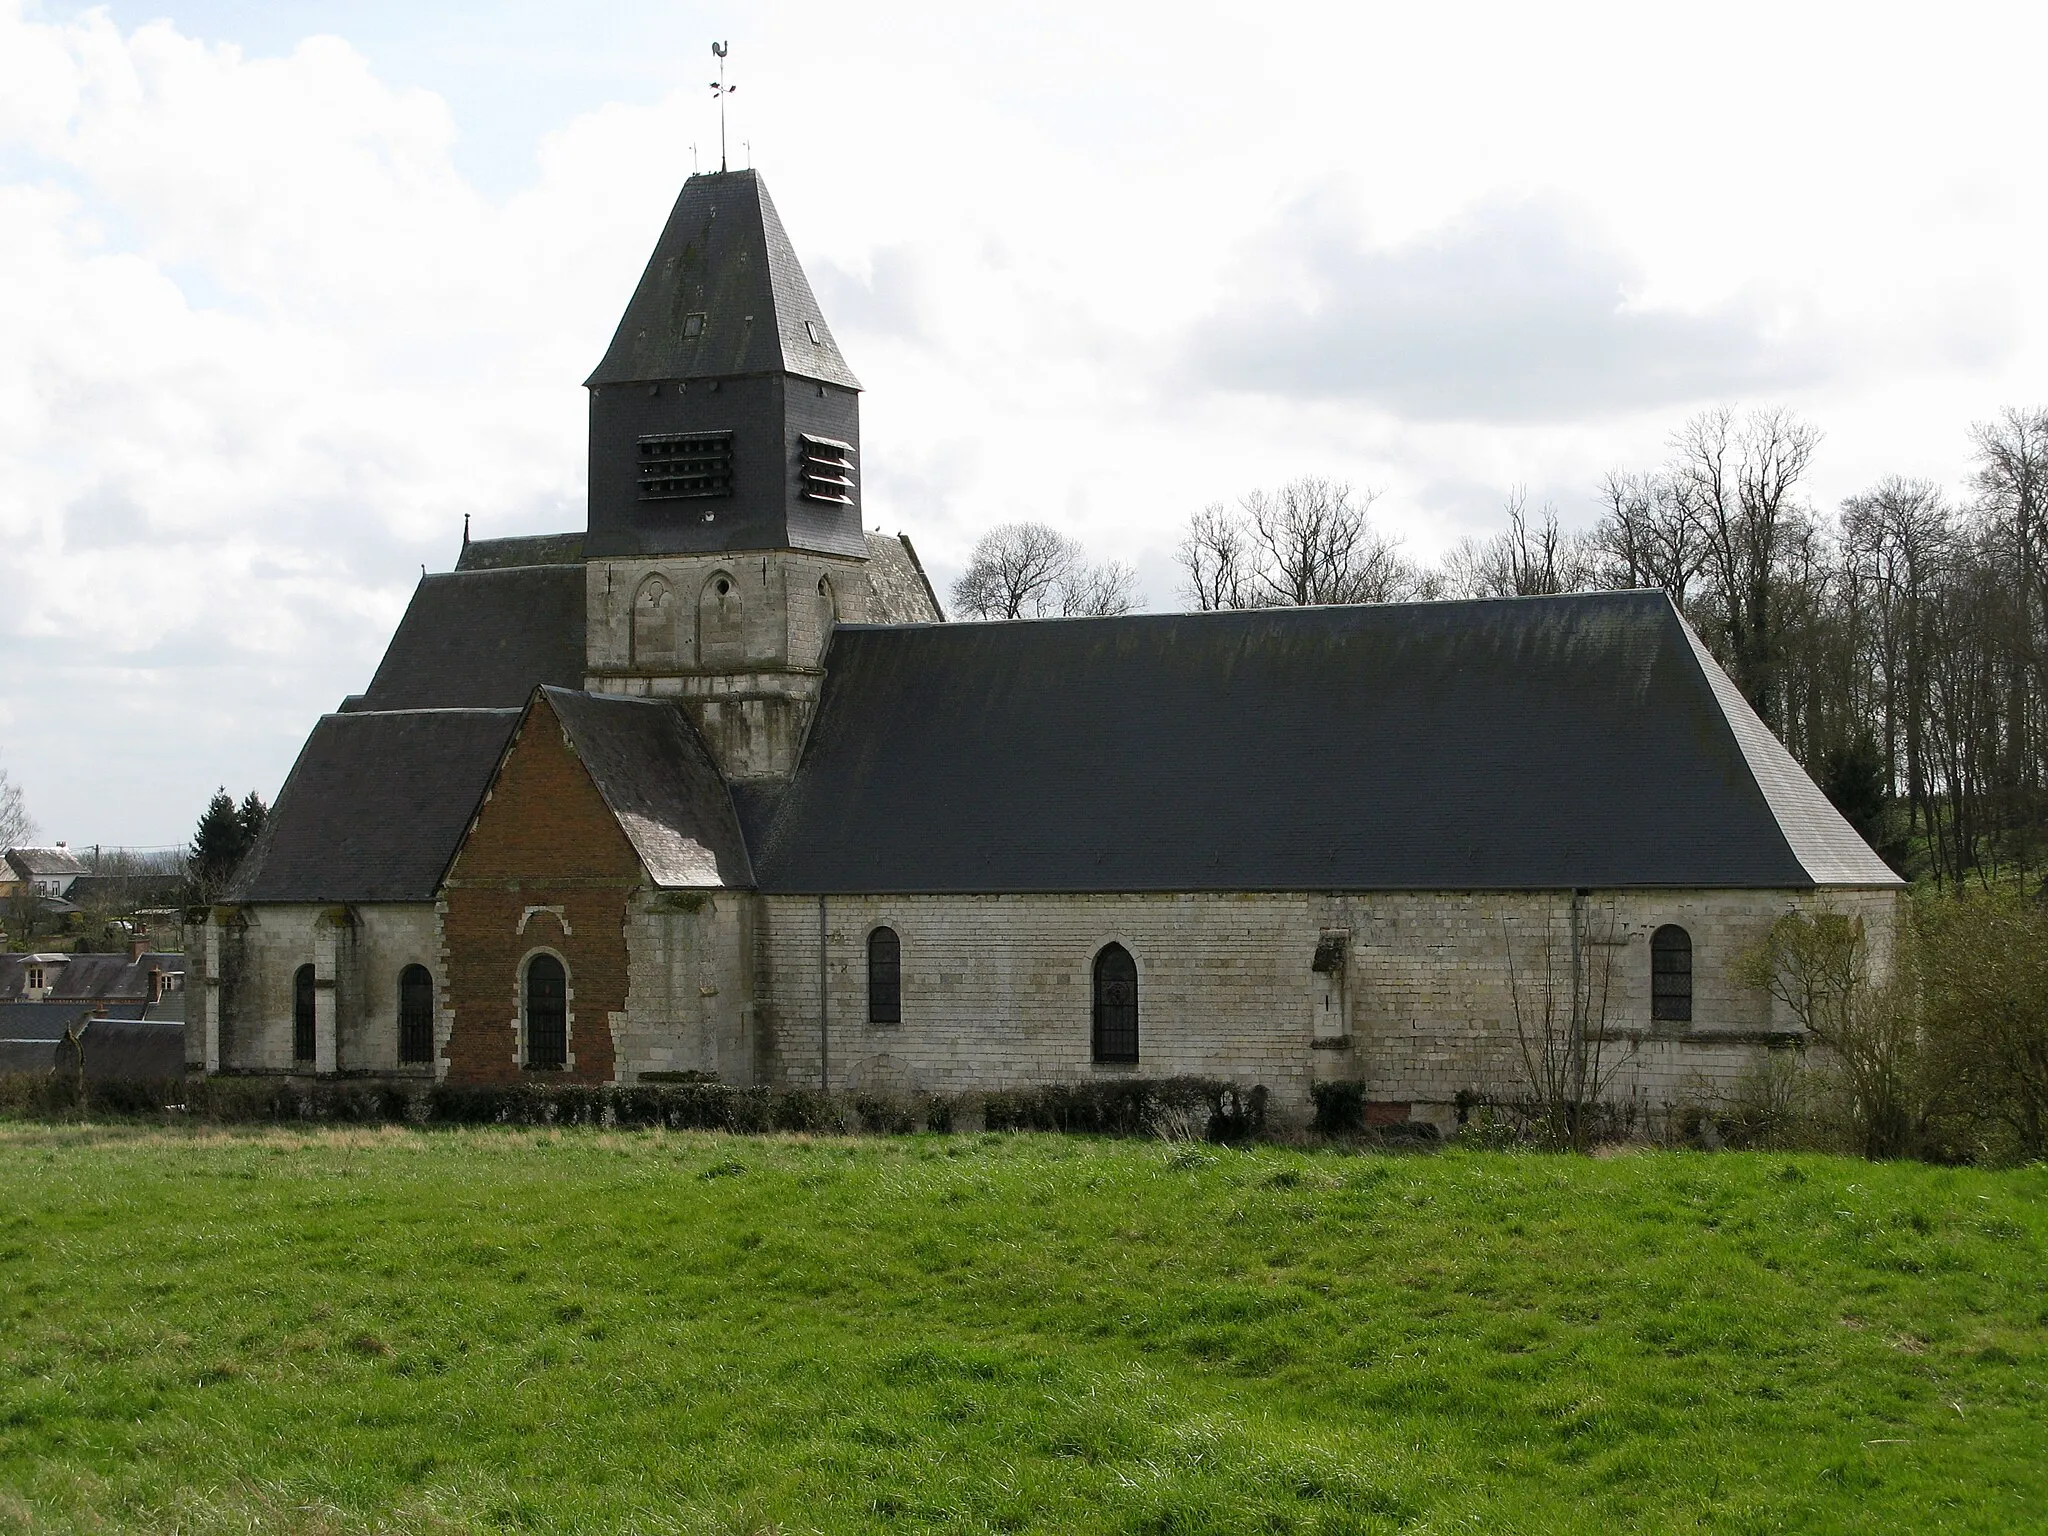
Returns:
(363, 955)
(690, 1006)
(997, 990)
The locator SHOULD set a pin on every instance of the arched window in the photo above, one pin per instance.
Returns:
(1671, 975)
(720, 635)
(654, 622)
(885, 977)
(415, 1014)
(547, 1014)
(1116, 1005)
(302, 1014)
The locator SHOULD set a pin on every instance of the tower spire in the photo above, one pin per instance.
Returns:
(720, 90)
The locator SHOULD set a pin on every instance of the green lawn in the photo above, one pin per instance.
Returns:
(397, 1330)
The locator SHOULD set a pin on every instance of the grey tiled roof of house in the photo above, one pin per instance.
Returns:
(526, 549)
(483, 639)
(724, 259)
(89, 978)
(374, 807)
(655, 774)
(29, 862)
(1529, 743)
(903, 593)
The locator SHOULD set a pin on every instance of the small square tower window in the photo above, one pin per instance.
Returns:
(693, 325)
(811, 330)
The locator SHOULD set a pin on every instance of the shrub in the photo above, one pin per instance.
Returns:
(1340, 1108)
(1981, 961)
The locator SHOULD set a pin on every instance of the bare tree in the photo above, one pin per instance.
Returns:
(1216, 557)
(1644, 538)
(1560, 998)
(1030, 571)
(1097, 591)
(1311, 542)
(1522, 561)
(16, 825)
(1737, 485)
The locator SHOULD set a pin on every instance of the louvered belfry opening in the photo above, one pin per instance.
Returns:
(827, 470)
(1671, 975)
(302, 1014)
(547, 1014)
(685, 465)
(415, 1015)
(1116, 1005)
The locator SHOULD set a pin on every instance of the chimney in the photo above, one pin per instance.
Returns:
(156, 985)
(136, 949)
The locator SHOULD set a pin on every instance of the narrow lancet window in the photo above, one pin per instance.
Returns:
(547, 1014)
(885, 977)
(415, 1015)
(1116, 1005)
(303, 1041)
(1671, 975)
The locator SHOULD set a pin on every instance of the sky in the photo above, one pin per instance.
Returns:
(287, 289)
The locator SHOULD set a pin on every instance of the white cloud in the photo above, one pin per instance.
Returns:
(263, 342)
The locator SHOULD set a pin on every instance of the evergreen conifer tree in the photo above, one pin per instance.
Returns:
(217, 847)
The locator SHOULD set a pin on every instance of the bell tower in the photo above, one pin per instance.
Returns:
(725, 507)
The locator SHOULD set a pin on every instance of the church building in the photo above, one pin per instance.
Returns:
(710, 786)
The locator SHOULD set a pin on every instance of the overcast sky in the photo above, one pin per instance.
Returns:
(286, 289)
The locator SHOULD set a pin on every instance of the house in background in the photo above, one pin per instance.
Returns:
(50, 871)
(125, 1013)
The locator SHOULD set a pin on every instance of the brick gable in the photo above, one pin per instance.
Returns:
(544, 867)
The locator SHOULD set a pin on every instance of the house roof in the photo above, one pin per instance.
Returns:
(88, 978)
(1554, 742)
(29, 862)
(481, 639)
(374, 806)
(527, 549)
(662, 785)
(723, 296)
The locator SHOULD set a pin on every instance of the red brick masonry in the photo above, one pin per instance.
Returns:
(543, 838)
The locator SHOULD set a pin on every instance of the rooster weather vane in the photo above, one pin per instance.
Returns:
(719, 91)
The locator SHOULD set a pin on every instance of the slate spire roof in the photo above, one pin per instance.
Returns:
(723, 296)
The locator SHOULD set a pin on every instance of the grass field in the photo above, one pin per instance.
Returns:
(401, 1330)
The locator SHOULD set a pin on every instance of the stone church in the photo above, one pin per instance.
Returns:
(711, 787)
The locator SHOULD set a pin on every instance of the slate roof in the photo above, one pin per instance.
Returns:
(896, 576)
(527, 549)
(656, 775)
(32, 1036)
(723, 256)
(29, 862)
(92, 978)
(1528, 743)
(374, 806)
(482, 639)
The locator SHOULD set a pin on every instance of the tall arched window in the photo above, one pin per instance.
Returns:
(303, 1041)
(547, 1013)
(1116, 1005)
(415, 1015)
(885, 977)
(1671, 975)
(654, 622)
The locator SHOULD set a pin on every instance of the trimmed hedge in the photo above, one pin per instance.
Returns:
(1182, 1108)
(1191, 1107)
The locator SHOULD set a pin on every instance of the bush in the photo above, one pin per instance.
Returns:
(1340, 1108)
(1191, 1108)
(1132, 1106)
(1981, 961)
